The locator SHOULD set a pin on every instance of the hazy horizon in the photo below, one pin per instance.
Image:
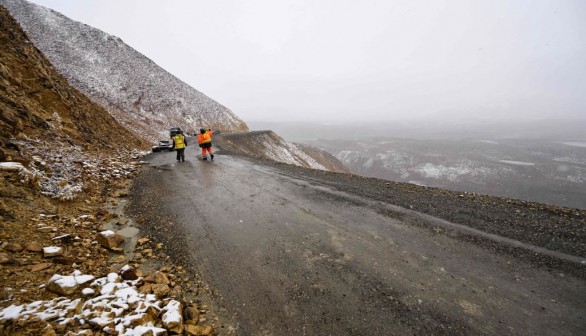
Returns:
(343, 61)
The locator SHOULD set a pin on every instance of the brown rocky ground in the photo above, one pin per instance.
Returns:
(65, 166)
(31, 222)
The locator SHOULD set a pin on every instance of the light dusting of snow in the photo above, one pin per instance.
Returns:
(451, 173)
(575, 144)
(135, 89)
(518, 163)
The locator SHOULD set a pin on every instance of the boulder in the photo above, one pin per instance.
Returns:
(110, 240)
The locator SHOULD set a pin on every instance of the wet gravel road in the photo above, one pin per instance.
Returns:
(287, 252)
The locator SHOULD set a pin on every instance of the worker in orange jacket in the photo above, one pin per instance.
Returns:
(204, 138)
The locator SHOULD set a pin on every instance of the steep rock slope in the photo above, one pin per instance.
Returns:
(268, 145)
(47, 126)
(138, 93)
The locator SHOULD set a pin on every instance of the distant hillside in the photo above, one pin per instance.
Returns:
(137, 92)
(544, 171)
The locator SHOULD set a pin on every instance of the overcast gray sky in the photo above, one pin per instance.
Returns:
(339, 60)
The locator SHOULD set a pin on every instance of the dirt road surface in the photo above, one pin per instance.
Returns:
(284, 254)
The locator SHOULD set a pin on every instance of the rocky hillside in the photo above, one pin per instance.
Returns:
(137, 92)
(46, 125)
(269, 146)
(140, 95)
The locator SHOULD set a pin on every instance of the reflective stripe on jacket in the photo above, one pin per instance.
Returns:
(204, 138)
(179, 141)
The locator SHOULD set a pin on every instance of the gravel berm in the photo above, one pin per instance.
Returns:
(553, 228)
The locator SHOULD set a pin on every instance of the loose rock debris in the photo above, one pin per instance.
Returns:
(65, 270)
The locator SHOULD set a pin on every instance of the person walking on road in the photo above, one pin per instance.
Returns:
(179, 145)
(204, 138)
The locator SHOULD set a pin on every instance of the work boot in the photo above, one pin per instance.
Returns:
(212, 155)
(205, 158)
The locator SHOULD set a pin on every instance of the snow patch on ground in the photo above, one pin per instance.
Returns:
(119, 306)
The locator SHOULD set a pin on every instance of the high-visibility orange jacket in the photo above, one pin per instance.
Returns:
(179, 141)
(204, 138)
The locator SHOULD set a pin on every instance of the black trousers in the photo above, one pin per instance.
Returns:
(180, 154)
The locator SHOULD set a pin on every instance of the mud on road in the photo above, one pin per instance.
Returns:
(287, 250)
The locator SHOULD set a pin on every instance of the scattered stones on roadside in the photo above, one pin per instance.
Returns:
(197, 330)
(6, 259)
(40, 267)
(119, 259)
(110, 240)
(34, 247)
(109, 306)
(161, 278)
(57, 293)
(13, 247)
(66, 285)
(52, 251)
(128, 273)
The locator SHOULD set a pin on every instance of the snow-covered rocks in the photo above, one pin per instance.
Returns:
(52, 251)
(115, 306)
(11, 166)
(172, 319)
(66, 285)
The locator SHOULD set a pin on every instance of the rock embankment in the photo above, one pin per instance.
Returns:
(73, 268)
(554, 228)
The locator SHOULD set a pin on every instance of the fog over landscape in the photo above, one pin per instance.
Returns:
(332, 61)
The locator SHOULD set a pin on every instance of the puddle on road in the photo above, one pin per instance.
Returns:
(129, 232)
